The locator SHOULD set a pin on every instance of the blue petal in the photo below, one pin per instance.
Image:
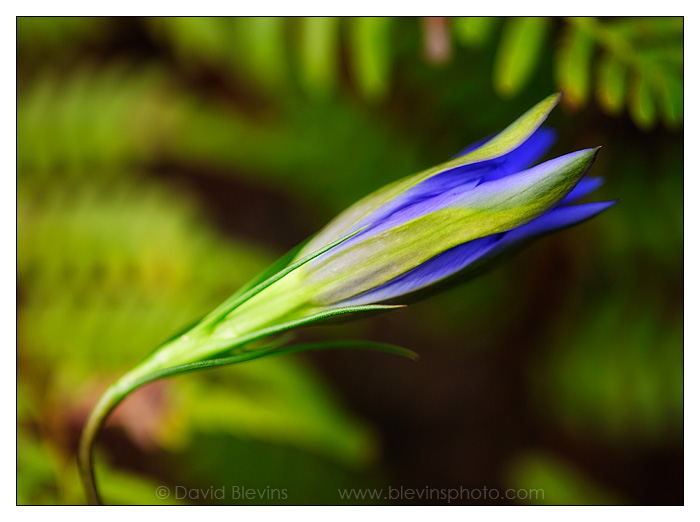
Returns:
(474, 193)
(520, 158)
(555, 219)
(473, 146)
(465, 257)
(461, 179)
(440, 267)
(432, 192)
(584, 187)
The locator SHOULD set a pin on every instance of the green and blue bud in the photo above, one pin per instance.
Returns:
(410, 238)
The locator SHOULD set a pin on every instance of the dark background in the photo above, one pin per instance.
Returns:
(162, 163)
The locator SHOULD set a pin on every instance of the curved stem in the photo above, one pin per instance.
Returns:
(126, 384)
(92, 427)
(149, 371)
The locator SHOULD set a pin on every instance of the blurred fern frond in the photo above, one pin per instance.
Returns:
(648, 51)
(92, 120)
(113, 258)
(269, 49)
(100, 254)
(633, 61)
(518, 53)
(628, 61)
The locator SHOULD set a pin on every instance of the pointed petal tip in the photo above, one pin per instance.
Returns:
(583, 154)
(553, 100)
(604, 205)
(595, 208)
(589, 154)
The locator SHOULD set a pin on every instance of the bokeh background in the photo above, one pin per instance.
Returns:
(163, 162)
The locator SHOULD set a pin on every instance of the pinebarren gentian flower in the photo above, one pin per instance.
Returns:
(420, 233)
(407, 239)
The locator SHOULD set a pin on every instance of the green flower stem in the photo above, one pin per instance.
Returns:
(167, 360)
(270, 307)
(148, 371)
(129, 382)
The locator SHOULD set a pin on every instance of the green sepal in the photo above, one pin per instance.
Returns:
(270, 276)
(270, 271)
(275, 349)
(282, 327)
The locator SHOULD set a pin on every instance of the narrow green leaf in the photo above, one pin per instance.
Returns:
(274, 347)
(574, 65)
(284, 350)
(352, 345)
(473, 31)
(642, 107)
(518, 53)
(319, 53)
(283, 327)
(370, 54)
(610, 90)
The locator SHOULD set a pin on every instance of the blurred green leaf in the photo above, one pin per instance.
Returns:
(120, 488)
(36, 484)
(370, 54)
(518, 53)
(319, 41)
(282, 474)
(545, 480)
(671, 101)
(574, 65)
(648, 50)
(260, 49)
(612, 384)
(642, 108)
(276, 400)
(658, 28)
(610, 90)
(93, 121)
(474, 31)
(195, 39)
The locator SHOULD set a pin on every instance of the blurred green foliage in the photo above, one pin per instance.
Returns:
(163, 162)
(636, 62)
(557, 483)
